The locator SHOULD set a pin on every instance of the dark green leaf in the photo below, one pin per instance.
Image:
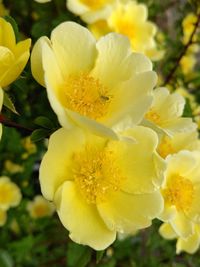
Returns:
(78, 255)
(9, 104)
(44, 122)
(99, 255)
(39, 134)
(5, 259)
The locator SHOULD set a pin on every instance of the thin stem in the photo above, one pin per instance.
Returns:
(12, 124)
(190, 42)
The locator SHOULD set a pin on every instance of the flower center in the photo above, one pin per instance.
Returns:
(95, 4)
(87, 96)
(179, 192)
(153, 116)
(96, 174)
(165, 147)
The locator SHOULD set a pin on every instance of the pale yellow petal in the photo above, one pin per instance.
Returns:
(7, 36)
(189, 245)
(74, 48)
(126, 212)
(81, 219)
(21, 47)
(179, 125)
(62, 144)
(167, 232)
(113, 61)
(36, 60)
(76, 7)
(182, 225)
(194, 212)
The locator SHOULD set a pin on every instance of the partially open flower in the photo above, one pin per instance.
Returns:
(10, 195)
(13, 56)
(166, 111)
(181, 192)
(95, 85)
(40, 207)
(101, 186)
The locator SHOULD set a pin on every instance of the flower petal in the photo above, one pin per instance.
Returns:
(62, 144)
(125, 212)
(81, 219)
(167, 232)
(182, 225)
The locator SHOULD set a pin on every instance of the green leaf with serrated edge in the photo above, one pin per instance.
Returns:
(99, 255)
(7, 102)
(39, 134)
(5, 259)
(12, 21)
(44, 122)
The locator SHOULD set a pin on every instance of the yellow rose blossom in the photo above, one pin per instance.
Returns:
(188, 25)
(10, 195)
(166, 111)
(13, 57)
(102, 186)
(180, 141)
(94, 85)
(130, 19)
(91, 10)
(12, 167)
(190, 244)
(187, 63)
(40, 207)
(181, 192)
(3, 217)
(1, 104)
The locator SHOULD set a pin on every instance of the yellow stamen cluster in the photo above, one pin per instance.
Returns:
(153, 116)
(96, 174)
(165, 147)
(87, 96)
(94, 4)
(179, 192)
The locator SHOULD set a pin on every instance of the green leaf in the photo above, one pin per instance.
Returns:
(39, 134)
(5, 259)
(99, 255)
(187, 109)
(9, 104)
(12, 21)
(78, 255)
(44, 122)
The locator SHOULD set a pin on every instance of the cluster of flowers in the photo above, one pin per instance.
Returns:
(125, 154)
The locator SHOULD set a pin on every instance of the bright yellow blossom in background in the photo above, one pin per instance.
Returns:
(10, 195)
(94, 85)
(101, 186)
(40, 207)
(188, 25)
(130, 19)
(13, 56)
(181, 192)
(166, 111)
(3, 217)
(1, 104)
(190, 244)
(91, 10)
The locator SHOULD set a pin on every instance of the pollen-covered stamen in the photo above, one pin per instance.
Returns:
(95, 4)
(165, 147)
(179, 192)
(153, 116)
(87, 96)
(96, 174)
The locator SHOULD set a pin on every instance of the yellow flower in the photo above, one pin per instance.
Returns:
(166, 111)
(10, 195)
(189, 244)
(3, 10)
(30, 147)
(3, 217)
(181, 192)
(187, 63)
(188, 25)
(177, 142)
(102, 186)
(13, 57)
(91, 10)
(43, 1)
(13, 167)
(40, 207)
(93, 84)
(1, 104)
(130, 19)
